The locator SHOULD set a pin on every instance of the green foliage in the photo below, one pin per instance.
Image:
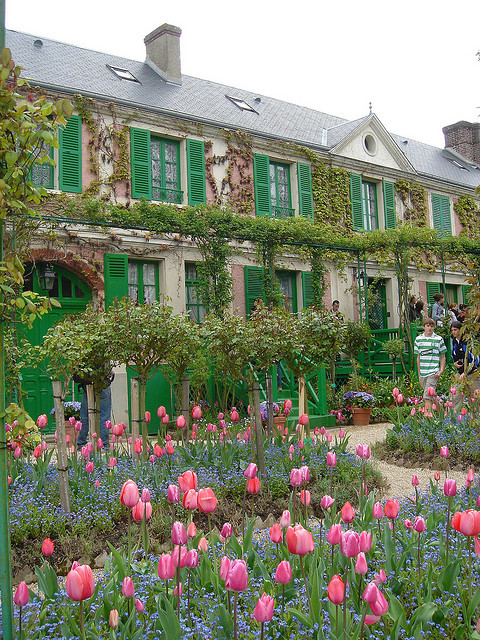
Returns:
(468, 212)
(394, 347)
(355, 340)
(268, 338)
(414, 198)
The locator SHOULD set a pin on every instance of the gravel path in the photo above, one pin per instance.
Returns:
(398, 478)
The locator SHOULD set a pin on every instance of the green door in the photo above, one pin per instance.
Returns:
(74, 295)
(377, 305)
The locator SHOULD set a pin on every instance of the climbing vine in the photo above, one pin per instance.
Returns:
(414, 199)
(468, 214)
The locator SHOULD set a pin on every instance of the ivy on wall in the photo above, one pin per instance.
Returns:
(468, 214)
(414, 199)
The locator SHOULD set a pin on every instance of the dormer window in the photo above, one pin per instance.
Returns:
(241, 104)
(123, 74)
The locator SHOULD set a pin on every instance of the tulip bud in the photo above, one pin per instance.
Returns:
(415, 481)
(128, 589)
(285, 520)
(113, 619)
(47, 547)
(139, 606)
(22, 594)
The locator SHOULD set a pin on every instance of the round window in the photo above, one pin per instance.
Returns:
(370, 144)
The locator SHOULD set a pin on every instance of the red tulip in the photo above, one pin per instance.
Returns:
(206, 500)
(47, 547)
(137, 446)
(276, 535)
(253, 485)
(336, 590)
(467, 522)
(37, 452)
(129, 494)
(166, 568)
(299, 540)
(187, 481)
(148, 417)
(196, 412)
(263, 611)
(128, 589)
(169, 449)
(142, 510)
(80, 584)
(117, 430)
(283, 574)
(305, 497)
(391, 509)
(348, 513)
(237, 578)
(22, 594)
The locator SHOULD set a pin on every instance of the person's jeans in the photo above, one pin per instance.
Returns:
(105, 414)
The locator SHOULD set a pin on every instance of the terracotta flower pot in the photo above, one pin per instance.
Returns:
(361, 416)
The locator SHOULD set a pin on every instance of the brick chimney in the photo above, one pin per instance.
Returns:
(163, 52)
(464, 138)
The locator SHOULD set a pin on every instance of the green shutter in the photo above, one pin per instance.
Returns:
(465, 291)
(305, 194)
(432, 289)
(307, 289)
(356, 199)
(140, 158)
(261, 177)
(441, 214)
(116, 276)
(389, 204)
(197, 190)
(253, 287)
(70, 156)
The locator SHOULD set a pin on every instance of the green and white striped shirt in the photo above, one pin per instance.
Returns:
(429, 350)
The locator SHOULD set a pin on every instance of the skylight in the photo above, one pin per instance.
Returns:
(241, 104)
(457, 164)
(123, 74)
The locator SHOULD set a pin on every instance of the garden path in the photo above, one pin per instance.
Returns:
(398, 477)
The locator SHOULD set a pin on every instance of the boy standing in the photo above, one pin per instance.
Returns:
(430, 350)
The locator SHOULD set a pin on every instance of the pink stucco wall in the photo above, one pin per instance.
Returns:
(238, 290)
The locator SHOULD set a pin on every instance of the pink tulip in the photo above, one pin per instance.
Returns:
(142, 511)
(181, 422)
(470, 476)
(276, 535)
(336, 590)
(18, 452)
(22, 594)
(348, 513)
(305, 472)
(47, 547)
(89, 467)
(326, 502)
(166, 419)
(303, 419)
(341, 434)
(263, 611)
(202, 544)
(112, 462)
(391, 509)
(363, 451)
(431, 392)
(113, 619)
(287, 404)
(365, 541)
(192, 530)
(179, 533)
(191, 559)
(237, 578)
(331, 459)
(80, 584)
(139, 606)
(328, 436)
(285, 520)
(227, 530)
(408, 524)
(334, 535)
(129, 494)
(370, 593)
(224, 568)
(413, 411)
(178, 590)
(128, 589)
(37, 452)
(182, 556)
(187, 481)
(145, 497)
(295, 477)
(234, 417)
(299, 540)
(99, 444)
(117, 430)
(419, 524)
(42, 421)
(444, 453)
(196, 412)
(395, 392)
(400, 398)
(283, 574)
(350, 543)
(305, 497)
(169, 449)
(206, 500)
(161, 412)
(450, 487)
(415, 481)
(361, 566)
(137, 446)
(166, 568)
(253, 486)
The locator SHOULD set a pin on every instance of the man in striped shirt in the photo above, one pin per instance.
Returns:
(430, 350)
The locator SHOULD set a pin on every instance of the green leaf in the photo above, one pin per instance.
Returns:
(304, 619)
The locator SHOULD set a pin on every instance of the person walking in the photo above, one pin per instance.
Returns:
(469, 378)
(430, 350)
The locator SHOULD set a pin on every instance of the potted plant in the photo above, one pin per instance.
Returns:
(278, 418)
(356, 339)
(71, 409)
(360, 404)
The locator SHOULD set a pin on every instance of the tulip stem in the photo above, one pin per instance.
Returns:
(129, 539)
(345, 601)
(20, 623)
(261, 633)
(306, 585)
(448, 527)
(235, 596)
(82, 622)
(178, 581)
(213, 547)
(283, 598)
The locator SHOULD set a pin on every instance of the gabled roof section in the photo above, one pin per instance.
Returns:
(367, 140)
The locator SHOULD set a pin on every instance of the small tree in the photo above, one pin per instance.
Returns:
(141, 336)
(357, 337)
(394, 348)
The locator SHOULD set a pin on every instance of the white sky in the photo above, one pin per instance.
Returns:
(415, 60)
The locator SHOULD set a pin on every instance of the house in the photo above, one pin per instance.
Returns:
(144, 130)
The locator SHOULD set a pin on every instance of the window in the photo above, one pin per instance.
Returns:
(241, 104)
(123, 74)
(156, 168)
(363, 196)
(165, 171)
(142, 282)
(441, 214)
(273, 195)
(288, 284)
(69, 160)
(193, 296)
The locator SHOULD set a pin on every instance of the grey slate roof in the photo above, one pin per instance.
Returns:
(73, 69)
